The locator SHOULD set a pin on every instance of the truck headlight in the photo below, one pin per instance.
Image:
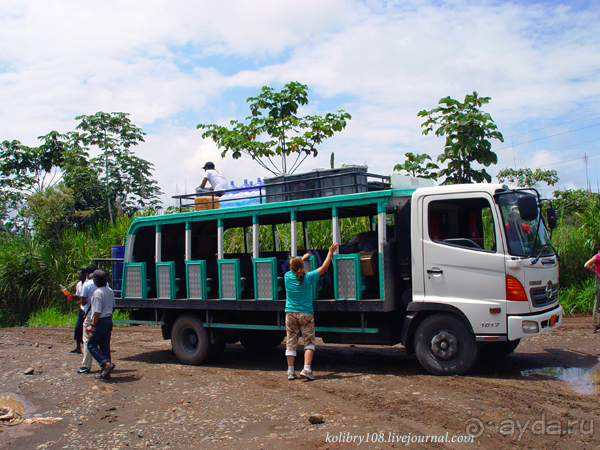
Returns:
(529, 327)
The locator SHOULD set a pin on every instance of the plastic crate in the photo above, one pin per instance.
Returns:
(317, 183)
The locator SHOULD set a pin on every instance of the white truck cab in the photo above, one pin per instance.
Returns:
(479, 252)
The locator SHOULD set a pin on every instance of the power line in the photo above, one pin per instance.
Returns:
(552, 126)
(569, 160)
(547, 137)
(549, 151)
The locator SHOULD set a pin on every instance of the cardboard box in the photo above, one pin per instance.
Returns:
(368, 262)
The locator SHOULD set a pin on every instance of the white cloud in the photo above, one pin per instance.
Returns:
(175, 64)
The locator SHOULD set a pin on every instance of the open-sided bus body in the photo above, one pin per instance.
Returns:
(447, 271)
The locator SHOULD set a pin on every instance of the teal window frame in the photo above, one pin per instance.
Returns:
(274, 288)
(357, 275)
(172, 284)
(236, 277)
(203, 282)
(143, 281)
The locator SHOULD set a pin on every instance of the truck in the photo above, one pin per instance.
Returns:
(449, 272)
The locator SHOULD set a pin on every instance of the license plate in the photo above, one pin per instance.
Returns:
(553, 320)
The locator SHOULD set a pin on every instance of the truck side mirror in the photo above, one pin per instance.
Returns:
(551, 217)
(528, 207)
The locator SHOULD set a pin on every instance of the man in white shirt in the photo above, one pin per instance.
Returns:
(86, 296)
(214, 177)
(78, 332)
(103, 305)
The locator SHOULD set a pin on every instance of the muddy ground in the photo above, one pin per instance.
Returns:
(543, 396)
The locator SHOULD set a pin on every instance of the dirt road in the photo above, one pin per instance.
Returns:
(543, 396)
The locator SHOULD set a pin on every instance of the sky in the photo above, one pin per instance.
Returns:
(175, 64)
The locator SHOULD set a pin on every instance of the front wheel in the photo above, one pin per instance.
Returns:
(445, 346)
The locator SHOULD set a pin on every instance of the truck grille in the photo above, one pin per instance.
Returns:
(542, 296)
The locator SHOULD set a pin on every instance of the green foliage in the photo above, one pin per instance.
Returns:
(527, 177)
(468, 131)
(273, 114)
(30, 271)
(53, 317)
(52, 211)
(415, 166)
(114, 183)
(574, 250)
(126, 178)
(589, 217)
(578, 298)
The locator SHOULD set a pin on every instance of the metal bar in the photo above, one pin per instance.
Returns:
(276, 327)
(139, 322)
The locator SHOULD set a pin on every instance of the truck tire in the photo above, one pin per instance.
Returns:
(260, 341)
(190, 340)
(499, 350)
(445, 346)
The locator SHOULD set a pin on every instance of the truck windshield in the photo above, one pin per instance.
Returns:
(523, 236)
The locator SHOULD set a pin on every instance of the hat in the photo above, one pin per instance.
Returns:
(209, 165)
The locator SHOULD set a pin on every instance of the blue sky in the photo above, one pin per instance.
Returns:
(173, 65)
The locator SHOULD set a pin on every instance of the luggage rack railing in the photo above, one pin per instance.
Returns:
(260, 191)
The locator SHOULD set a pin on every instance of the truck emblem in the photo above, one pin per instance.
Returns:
(535, 283)
(549, 289)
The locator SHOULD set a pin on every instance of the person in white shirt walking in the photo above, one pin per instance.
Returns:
(78, 332)
(103, 305)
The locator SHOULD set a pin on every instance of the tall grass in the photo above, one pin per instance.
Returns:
(54, 317)
(31, 271)
(579, 298)
(574, 249)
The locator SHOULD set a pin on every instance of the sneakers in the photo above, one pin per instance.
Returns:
(308, 374)
(291, 376)
(76, 350)
(596, 330)
(84, 370)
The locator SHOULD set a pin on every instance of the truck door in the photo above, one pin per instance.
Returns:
(463, 261)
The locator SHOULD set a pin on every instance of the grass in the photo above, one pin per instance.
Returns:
(579, 298)
(53, 317)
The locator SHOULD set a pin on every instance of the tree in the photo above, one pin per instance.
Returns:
(527, 177)
(23, 171)
(125, 177)
(273, 114)
(115, 179)
(468, 131)
(52, 211)
(416, 167)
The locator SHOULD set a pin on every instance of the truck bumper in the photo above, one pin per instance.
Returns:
(525, 326)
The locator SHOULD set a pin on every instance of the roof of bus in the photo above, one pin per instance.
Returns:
(279, 212)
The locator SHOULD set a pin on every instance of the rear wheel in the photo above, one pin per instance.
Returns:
(191, 342)
(445, 346)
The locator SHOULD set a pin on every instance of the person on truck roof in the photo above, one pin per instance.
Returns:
(299, 312)
(214, 177)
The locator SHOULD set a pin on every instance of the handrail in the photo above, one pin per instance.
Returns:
(262, 195)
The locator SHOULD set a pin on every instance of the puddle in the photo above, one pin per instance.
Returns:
(8, 401)
(583, 381)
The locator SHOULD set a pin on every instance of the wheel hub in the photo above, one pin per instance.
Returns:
(192, 339)
(444, 345)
